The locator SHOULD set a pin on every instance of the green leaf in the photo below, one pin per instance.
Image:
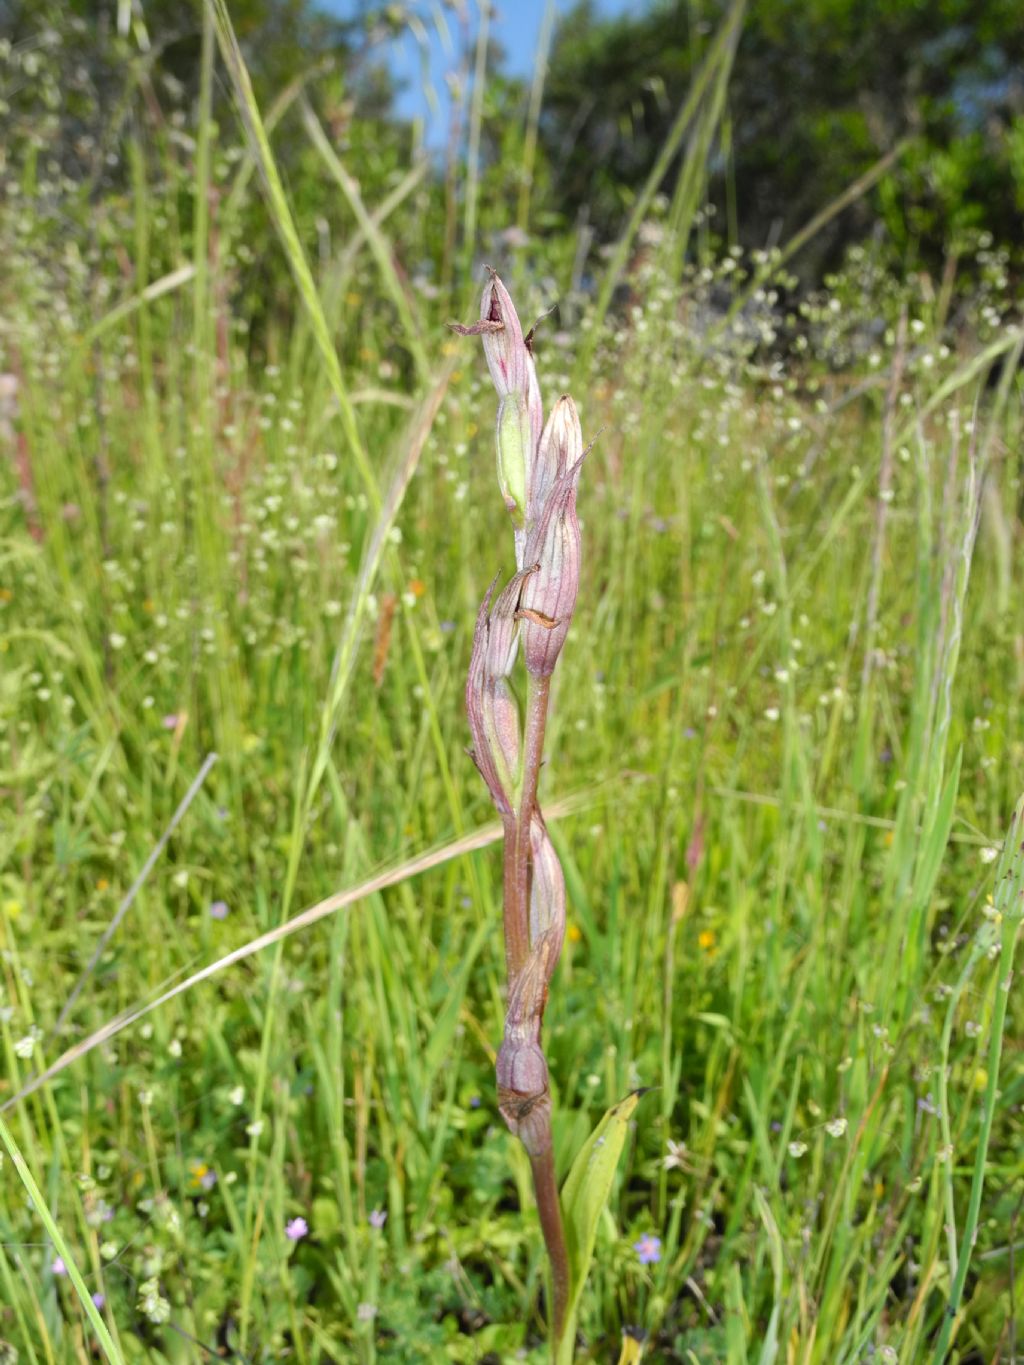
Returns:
(584, 1195)
(737, 1321)
(42, 1210)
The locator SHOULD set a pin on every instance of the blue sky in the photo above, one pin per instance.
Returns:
(515, 24)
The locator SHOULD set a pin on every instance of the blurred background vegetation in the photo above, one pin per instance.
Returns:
(820, 92)
(247, 505)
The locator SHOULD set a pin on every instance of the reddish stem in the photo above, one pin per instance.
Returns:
(517, 902)
(517, 830)
(545, 1189)
(517, 870)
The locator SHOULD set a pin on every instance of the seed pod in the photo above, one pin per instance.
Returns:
(549, 594)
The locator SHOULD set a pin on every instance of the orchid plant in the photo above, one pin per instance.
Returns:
(538, 471)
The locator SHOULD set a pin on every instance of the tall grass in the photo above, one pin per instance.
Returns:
(796, 748)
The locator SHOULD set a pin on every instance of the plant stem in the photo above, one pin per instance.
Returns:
(517, 831)
(516, 901)
(545, 1189)
(517, 951)
(537, 694)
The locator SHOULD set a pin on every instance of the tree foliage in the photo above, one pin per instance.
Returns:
(821, 89)
(99, 105)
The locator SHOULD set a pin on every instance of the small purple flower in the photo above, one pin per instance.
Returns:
(58, 1267)
(474, 1101)
(99, 1299)
(296, 1229)
(648, 1249)
(219, 910)
(378, 1218)
(170, 721)
(208, 1179)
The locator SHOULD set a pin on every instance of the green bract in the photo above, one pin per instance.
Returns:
(513, 442)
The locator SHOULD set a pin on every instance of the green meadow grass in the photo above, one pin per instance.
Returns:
(785, 749)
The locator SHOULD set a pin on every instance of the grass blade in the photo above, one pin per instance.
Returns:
(584, 1196)
(103, 1336)
(379, 245)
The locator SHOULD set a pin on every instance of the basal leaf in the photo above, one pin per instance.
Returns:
(584, 1195)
